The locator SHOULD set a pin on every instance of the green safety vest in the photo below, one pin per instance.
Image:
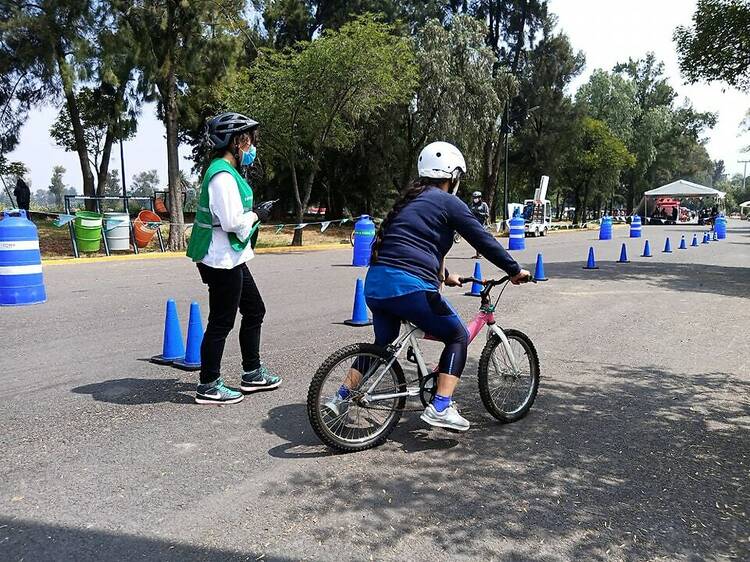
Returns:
(200, 238)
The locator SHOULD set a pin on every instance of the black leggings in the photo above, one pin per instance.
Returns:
(228, 291)
(430, 312)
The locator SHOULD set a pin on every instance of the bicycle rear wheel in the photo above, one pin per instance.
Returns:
(508, 396)
(352, 424)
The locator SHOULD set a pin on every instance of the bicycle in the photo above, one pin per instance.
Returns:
(375, 404)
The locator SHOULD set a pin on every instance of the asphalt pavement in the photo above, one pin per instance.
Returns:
(637, 447)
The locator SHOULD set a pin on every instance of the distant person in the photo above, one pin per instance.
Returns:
(480, 210)
(22, 193)
(675, 214)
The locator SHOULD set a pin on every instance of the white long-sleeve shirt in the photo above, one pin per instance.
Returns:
(226, 209)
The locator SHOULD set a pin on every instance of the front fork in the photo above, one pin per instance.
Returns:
(494, 329)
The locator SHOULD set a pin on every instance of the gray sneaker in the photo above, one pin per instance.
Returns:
(448, 418)
(216, 393)
(337, 406)
(259, 379)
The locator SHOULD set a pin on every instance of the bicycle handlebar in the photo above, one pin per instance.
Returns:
(492, 282)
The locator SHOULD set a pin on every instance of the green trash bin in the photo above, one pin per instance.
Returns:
(88, 230)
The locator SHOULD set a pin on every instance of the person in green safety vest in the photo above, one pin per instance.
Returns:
(224, 224)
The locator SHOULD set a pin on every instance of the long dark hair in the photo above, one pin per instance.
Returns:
(407, 195)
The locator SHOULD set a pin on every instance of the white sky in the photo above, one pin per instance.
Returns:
(608, 31)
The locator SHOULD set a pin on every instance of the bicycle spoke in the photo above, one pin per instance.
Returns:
(358, 423)
(512, 386)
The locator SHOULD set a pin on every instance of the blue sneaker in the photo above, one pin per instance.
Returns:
(216, 393)
(259, 379)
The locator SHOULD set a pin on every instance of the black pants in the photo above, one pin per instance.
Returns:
(228, 291)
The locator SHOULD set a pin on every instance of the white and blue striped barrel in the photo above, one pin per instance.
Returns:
(635, 227)
(21, 279)
(517, 237)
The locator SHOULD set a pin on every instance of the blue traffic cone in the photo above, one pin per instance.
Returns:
(694, 243)
(359, 312)
(705, 238)
(591, 263)
(476, 288)
(192, 360)
(683, 245)
(623, 254)
(647, 250)
(173, 349)
(667, 246)
(539, 270)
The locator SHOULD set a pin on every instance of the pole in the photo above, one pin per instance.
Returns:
(744, 172)
(122, 161)
(505, 180)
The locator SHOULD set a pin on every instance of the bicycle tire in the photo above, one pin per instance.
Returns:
(484, 383)
(316, 386)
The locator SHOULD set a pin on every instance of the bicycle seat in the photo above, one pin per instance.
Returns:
(417, 332)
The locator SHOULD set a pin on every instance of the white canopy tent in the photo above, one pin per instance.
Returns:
(681, 188)
(744, 208)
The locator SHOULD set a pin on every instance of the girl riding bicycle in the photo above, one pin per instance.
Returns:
(408, 267)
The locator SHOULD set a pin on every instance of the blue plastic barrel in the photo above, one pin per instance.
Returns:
(517, 236)
(721, 227)
(635, 227)
(21, 280)
(364, 236)
(605, 232)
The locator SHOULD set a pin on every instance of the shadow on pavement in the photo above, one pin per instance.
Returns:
(644, 463)
(130, 391)
(27, 540)
(686, 277)
(291, 424)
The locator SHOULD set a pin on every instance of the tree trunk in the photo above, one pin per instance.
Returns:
(109, 139)
(303, 202)
(66, 74)
(103, 170)
(297, 238)
(489, 183)
(168, 92)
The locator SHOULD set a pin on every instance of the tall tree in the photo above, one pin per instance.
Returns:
(717, 46)
(103, 123)
(512, 26)
(57, 185)
(653, 99)
(318, 96)
(543, 113)
(180, 45)
(144, 183)
(593, 158)
(60, 43)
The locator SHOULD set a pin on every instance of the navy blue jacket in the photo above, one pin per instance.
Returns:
(421, 234)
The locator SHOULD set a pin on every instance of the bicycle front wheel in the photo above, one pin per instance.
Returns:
(357, 422)
(508, 393)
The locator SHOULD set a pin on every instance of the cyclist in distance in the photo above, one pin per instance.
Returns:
(408, 267)
(481, 210)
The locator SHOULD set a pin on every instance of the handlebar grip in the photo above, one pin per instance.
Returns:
(463, 280)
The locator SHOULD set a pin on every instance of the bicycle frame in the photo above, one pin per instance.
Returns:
(412, 334)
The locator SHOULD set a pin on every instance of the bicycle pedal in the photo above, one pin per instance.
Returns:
(412, 391)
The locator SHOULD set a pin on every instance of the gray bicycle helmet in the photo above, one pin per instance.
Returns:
(223, 126)
(477, 194)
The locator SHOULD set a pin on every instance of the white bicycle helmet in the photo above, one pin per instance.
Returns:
(441, 160)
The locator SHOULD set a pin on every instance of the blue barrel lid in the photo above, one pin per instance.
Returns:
(15, 226)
